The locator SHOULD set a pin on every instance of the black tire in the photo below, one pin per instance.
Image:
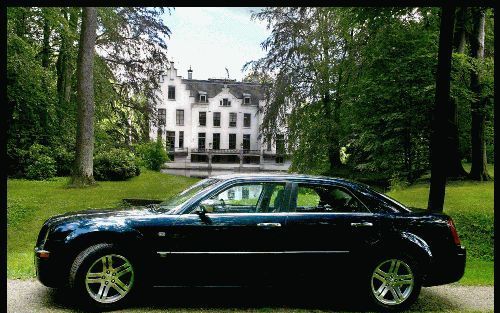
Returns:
(89, 258)
(413, 292)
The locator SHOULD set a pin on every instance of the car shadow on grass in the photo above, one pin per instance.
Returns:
(216, 299)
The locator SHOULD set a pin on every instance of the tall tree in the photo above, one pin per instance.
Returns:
(65, 59)
(386, 114)
(455, 168)
(306, 53)
(83, 171)
(439, 129)
(478, 106)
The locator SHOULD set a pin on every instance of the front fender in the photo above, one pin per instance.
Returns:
(85, 236)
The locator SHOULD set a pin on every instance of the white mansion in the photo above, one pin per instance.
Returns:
(212, 127)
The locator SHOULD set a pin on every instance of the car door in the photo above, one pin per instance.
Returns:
(237, 241)
(326, 228)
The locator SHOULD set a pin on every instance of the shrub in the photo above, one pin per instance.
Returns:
(115, 164)
(39, 165)
(64, 160)
(152, 155)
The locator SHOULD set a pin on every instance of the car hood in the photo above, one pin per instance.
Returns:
(85, 215)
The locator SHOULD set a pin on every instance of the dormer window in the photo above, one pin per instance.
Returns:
(203, 96)
(246, 98)
(225, 102)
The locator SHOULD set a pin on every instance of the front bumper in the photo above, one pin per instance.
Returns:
(49, 270)
(447, 270)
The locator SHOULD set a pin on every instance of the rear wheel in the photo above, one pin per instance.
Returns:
(395, 283)
(103, 276)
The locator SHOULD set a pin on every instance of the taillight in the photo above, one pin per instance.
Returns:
(453, 230)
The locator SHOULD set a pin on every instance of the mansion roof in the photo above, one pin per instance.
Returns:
(213, 87)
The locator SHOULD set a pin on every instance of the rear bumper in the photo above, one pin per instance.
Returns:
(447, 270)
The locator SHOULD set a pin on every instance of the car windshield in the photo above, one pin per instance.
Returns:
(180, 198)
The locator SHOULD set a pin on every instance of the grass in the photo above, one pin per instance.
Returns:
(30, 203)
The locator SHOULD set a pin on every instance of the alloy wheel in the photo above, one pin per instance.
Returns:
(392, 282)
(110, 278)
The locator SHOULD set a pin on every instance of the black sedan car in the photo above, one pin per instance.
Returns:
(243, 230)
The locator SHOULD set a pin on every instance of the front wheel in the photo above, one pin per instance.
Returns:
(102, 276)
(395, 283)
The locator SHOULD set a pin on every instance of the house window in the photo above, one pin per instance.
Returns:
(203, 118)
(171, 140)
(232, 141)
(245, 193)
(162, 114)
(230, 194)
(179, 117)
(280, 144)
(246, 98)
(246, 119)
(216, 119)
(203, 96)
(246, 142)
(216, 141)
(225, 102)
(201, 140)
(171, 92)
(232, 119)
(280, 148)
(181, 139)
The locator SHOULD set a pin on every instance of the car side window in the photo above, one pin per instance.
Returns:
(322, 198)
(247, 198)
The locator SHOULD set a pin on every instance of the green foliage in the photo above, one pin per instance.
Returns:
(152, 155)
(41, 79)
(39, 165)
(389, 103)
(42, 168)
(64, 160)
(363, 83)
(115, 164)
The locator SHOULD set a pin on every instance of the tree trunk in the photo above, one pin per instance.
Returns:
(438, 155)
(333, 138)
(478, 169)
(43, 113)
(455, 168)
(46, 42)
(65, 63)
(83, 170)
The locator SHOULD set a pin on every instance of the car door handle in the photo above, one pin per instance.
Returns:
(269, 224)
(364, 224)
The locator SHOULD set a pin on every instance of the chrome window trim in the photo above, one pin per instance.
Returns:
(165, 253)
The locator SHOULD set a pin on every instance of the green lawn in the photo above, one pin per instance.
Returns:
(32, 202)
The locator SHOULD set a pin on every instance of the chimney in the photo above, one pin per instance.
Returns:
(190, 73)
(171, 70)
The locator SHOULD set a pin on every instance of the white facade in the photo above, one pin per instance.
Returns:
(212, 97)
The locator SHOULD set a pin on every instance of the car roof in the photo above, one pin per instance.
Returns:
(278, 175)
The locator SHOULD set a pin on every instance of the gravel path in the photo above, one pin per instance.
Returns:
(32, 296)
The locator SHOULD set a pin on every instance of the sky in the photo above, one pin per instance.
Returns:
(210, 39)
